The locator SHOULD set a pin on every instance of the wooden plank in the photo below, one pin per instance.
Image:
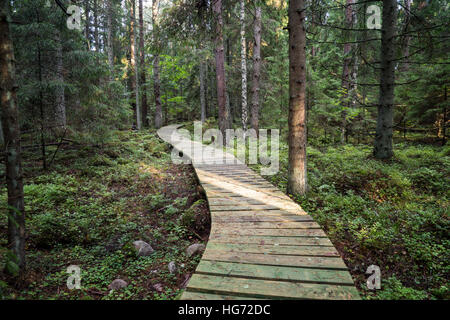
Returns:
(275, 260)
(268, 232)
(286, 241)
(316, 251)
(255, 218)
(270, 289)
(267, 225)
(265, 213)
(252, 271)
(243, 207)
(187, 295)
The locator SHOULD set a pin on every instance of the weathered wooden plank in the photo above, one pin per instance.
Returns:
(286, 241)
(255, 218)
(265, 213)
(316, 251)
(275, 273)
(275, 260)
(268, 232)
(188, 295)
(267, 225)
(271, 289)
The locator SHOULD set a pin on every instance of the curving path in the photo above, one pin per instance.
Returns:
(262, 244)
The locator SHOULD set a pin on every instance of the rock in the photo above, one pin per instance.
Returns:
(158, 287)
(195, 248)
(117, 284)
(143, 248)
(172, 267)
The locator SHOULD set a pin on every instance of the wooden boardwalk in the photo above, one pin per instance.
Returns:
(262, 244)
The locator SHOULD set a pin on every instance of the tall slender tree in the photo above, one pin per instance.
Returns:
(243, 67)
(156, 71)
(144, 105)
(133, 65)
(297, 182)
(256, 69)
(224, 115)
(347, 67)
(383, 138)
(11, 132)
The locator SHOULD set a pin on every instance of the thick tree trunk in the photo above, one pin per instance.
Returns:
(156, 77)
(142, 65)
(243, 68)
(11, 132)
(60, 112)
(224, 115)
(202, 91)
(109, 23)
(383, 137)
(297, 182)
(256, 70)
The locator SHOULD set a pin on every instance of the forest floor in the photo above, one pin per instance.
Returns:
(90, 206)
(391, 214)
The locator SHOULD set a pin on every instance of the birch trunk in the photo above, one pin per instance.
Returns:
(297, 182)
(243, 68)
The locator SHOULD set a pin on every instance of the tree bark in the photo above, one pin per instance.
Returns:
(383, 137)
(243, 68)
(11, 132)
(97, 41)
(156, 76)
(224, 115)
(347, 69)
(297, 182)
(135, 76)
(405, 66)
(109, 23)
(87, 31)
(60, 115)
(202, 91)
(256, 70)
(142, 65)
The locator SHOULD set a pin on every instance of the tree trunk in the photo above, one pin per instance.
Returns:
(142, 58)
(135, 76)
(110, 39)
(11, 132)
(383, 137)
(60, 114)
(405, 66)
(87, 31)
(224, 123)
(156, 79)
(202, 91)
(346, 69)
(243, 68)
(297, 183)
(97, 41)
(256, 70)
